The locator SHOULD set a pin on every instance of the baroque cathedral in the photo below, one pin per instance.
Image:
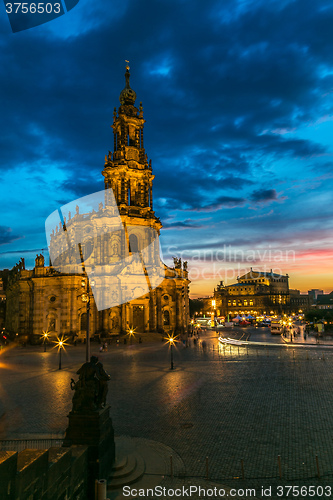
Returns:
(104, 260)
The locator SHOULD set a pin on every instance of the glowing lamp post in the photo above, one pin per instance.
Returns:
(61, 345)
(130, 333)
(212, 317)
(60, 349)
(45, 337)
(86, 298)
(171, 341)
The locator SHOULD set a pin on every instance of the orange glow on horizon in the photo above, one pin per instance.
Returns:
(310, 268)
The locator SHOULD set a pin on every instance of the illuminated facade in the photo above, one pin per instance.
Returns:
(45, 299)
(254, 293)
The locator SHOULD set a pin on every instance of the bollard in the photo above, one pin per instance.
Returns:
(230, 350)
(238, 350)
(101, 485)
(293, 354)
(317, 464)
(224, 350)
(207, 471)
(247, 351)
(242, 467)
(171, 466)
(279, 464)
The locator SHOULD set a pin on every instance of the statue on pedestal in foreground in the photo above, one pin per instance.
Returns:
(89, 421)
(92, 387)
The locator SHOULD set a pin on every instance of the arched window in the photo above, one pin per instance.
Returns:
(166, 318)
(139, 194)
(123, 190)
(88, 248)
(133, 243)
(83, 322)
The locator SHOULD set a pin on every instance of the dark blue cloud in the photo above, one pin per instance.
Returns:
(228, 89)
(181, 225)
(263, 195)
(7, 235)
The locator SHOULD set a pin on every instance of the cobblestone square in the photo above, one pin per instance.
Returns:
(232, 405)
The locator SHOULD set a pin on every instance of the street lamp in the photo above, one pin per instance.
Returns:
(130, 333)
(171, 341)
(60, 349)
(45, 337)
(86, 298)
(60, 343)
(213, 314)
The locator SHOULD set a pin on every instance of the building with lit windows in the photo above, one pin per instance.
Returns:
(255, 293)
(46, 299)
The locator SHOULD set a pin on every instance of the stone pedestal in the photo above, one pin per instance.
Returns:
(93, 429)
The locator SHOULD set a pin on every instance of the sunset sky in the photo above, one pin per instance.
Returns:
(238, 102)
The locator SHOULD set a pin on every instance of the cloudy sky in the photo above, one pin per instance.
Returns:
(238, 99)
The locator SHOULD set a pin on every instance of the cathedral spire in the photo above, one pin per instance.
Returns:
(127, 95)
(127, 171)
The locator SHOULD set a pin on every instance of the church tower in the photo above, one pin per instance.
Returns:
(109, 239)
(127, 170)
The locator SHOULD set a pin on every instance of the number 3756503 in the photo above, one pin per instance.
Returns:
(33, 8)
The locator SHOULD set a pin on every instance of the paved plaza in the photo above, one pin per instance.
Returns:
(230, 404)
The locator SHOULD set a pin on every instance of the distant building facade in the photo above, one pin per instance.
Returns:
(299, 302)
(313, 294)
(325, 301)
(45, 299)
(255, 293)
